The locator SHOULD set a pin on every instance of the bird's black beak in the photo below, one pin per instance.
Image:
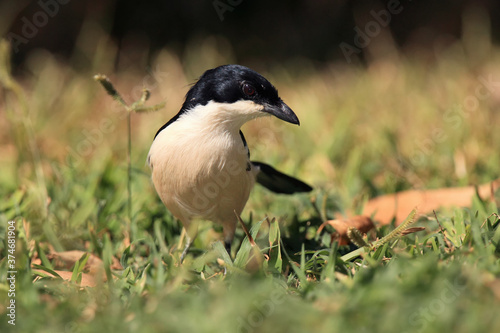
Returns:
(282, 111)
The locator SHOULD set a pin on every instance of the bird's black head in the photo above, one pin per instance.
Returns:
(234, 83)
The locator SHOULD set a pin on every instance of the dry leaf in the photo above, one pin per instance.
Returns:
(360, 222)
(384, 208)
(67, 260)
(94, 268)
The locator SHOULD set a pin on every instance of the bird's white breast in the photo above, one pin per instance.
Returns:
(200, 167)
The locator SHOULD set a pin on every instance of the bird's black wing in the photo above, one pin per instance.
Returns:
(277, 181)
(168, 123)
(245, 143)
(190, 102)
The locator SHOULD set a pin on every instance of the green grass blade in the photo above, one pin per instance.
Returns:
(48, 270)
(246, 248)
(274, 238)
(296, 268)
(45, 261)
(76, 276)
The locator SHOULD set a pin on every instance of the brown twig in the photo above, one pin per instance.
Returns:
(245, 229)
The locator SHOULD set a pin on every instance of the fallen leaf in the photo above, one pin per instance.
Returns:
(94, 268)
(386, 207)
(360, 222)
(67, 260)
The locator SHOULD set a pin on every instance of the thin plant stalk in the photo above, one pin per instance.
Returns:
(139, 107)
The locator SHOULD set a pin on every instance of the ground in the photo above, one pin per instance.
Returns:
(395, 124)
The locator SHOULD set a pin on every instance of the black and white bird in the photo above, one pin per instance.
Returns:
(199, 159)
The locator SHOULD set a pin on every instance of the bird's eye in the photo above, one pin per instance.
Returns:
(248, 89)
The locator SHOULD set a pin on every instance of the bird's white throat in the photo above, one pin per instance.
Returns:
(217, 117)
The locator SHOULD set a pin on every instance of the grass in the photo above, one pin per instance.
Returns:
(365, 131)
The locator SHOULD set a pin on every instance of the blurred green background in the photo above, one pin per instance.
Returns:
(391, 95)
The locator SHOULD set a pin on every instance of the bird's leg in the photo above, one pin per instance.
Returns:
(191, 228)
(228, 230)
(227, 245)
(189, 242)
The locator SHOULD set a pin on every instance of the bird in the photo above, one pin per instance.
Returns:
(199, 160)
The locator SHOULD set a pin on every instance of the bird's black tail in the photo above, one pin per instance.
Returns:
(277, 181)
